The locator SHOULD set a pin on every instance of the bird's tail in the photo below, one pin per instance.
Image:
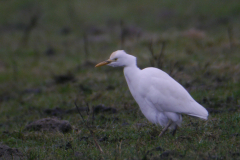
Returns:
(199, 111)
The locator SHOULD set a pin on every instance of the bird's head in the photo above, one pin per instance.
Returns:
(119, 58)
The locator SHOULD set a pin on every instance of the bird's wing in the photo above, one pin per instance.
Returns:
(167, 95)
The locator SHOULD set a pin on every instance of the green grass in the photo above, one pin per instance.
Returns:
(207, 66)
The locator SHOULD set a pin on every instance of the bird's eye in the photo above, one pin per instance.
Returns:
(115, 59)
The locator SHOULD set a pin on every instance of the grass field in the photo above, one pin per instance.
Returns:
(48, 50)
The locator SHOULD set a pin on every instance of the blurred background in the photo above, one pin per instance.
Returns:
(43, 38)
(91, 30)
(48, 50)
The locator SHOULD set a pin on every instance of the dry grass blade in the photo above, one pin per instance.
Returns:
(91, 132)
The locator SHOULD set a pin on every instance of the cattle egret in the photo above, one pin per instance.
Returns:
(161, 99)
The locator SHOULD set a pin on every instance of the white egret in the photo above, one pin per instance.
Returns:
(161, 99)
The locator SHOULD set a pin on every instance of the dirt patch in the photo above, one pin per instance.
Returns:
(7, 153)
(64, 78)
(49, 125)
(59, 111)
(101, 108)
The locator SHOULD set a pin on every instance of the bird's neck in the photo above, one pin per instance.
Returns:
(130, 73)
(131, 69)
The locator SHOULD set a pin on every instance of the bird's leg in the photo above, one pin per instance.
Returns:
(165, 129)
(174, 131)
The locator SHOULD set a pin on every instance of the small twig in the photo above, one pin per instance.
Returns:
(86, 46)
(87, 111)
(150, 48)
(82, 117)
(72, 14)
(171, 68)
(122, 34)
(32, 24)
(91, 132)
(93, 116)
(120, 148)
(15, 70)
(230, 36)
(157, 61)
(161, 54)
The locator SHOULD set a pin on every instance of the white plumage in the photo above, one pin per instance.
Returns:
(161, 99)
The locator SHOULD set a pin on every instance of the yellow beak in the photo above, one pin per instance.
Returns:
(103, 63)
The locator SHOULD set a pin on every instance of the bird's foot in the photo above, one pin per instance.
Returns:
(174, 131)
(165, 128)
